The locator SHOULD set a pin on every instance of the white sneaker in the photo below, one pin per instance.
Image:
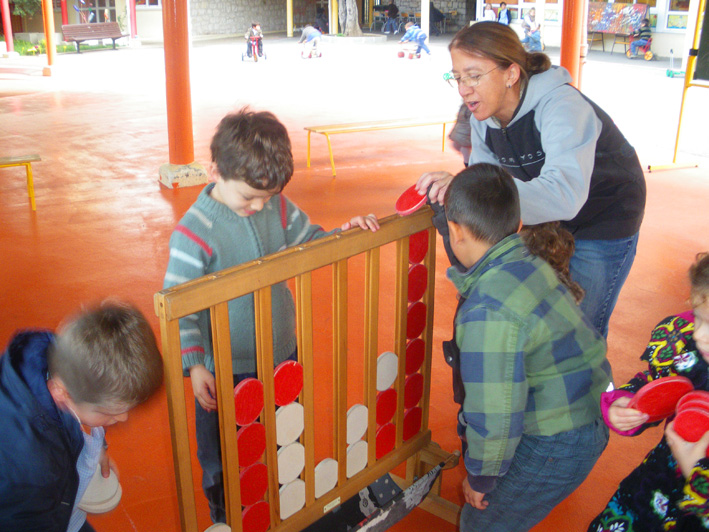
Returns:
(386, 32)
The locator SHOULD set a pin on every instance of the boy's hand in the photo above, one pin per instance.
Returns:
(365, 222)
(472, 497)
(438, 181)
(686, 453)
(624, 418)
(107, 463)
(204, 386)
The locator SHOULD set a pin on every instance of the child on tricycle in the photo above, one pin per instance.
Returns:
(254, 40)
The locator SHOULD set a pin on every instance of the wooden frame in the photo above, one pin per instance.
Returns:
(213, 293)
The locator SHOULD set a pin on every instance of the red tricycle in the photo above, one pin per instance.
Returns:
(255, 49)
(643, 50)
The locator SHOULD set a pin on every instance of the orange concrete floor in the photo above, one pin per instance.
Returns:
(102, 227)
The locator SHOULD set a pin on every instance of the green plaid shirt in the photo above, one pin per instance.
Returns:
(529, 360)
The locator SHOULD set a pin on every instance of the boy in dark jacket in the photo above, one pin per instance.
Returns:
(102, 363)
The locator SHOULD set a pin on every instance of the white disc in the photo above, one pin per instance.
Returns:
(356, 458)
(102, 494)
(325, 476)
(387, 368)
(291, 461)
(218, 527)
(356, 423)
(289, 423)
(292, 498)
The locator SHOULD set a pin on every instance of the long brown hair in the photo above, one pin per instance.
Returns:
(500, 44)
(554, 244)
(699, 279)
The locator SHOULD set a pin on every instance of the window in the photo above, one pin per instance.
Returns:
(91, 11)
(147, 3)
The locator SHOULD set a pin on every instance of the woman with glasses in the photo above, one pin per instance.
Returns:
(569, 160)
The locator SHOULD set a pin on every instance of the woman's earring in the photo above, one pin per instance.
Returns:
(509, 85)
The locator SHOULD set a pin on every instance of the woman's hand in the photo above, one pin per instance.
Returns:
(686, 453)
(204, 386)
(472, 497)
(365, 222)
(438, 181)
(624, 418)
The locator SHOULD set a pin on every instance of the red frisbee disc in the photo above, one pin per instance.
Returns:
(415, 319)
(254, 482)
(257, 517)
(692, 423)
(415, 353)
(418, 281)
(251, 442)
(659, 398)
(248, 401)
(386, 436)
(413, 390)
(412, 422)
(418, 246)
(401, 54)
(288, 382)
(695, 398)
(386, 406)
(410, 201)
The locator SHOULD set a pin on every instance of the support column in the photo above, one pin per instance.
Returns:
(571, 35)
(181, 170)
(334, 17)
(133, 19)
(65, 12)
(48, 19)
(289, 18)
(7, 25)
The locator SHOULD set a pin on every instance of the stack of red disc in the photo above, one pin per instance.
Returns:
(692, 419)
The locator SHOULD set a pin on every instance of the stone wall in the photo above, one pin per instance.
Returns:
(446, 6)
(218, 17)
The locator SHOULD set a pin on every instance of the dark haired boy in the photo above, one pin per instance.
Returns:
(241, 217)
(254, 32)
(100, 365)
(641, 37)
(532, 368)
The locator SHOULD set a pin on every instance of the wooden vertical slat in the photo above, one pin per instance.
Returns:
(371, 335)
(401, 299)
(264, 358)
(221, 341)
(428, 298)
(339, 323)
(177, 414)
(304, 312)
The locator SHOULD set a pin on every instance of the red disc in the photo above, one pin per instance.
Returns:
(695, 397)
(251, 442)
(257, 517)
(248, 401)
(401, 54)
(386, 435)
(418, 246)
(412, 422)
(418, 281)
(415, 353)
(692, 423)
(413, 390)
(386, 406)
(288, 381)
(410, 201)
(415, 319)
(658, 399)
(254, 482)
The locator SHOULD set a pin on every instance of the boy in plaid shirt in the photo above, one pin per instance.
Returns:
(529, 365)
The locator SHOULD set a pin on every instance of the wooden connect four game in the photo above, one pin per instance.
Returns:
(273, 480)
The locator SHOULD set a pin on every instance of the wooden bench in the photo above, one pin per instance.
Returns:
(378, 125)
(79, 33)
(26, 161)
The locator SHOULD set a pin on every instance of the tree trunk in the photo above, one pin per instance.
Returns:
(351, 24)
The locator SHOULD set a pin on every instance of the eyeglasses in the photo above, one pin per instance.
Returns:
(467, 81)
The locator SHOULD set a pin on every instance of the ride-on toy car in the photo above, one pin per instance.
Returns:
(643, 50)
(253, 43)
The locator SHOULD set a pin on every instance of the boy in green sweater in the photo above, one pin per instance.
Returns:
(240, 217)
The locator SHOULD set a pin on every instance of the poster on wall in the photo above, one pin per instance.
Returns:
(702, 69)
(615, 18)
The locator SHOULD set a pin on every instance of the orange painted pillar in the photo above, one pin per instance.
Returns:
(7, 25)
(177, 75)
(571, 37)
(48, 16)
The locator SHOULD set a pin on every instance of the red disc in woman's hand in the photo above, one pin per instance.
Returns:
(288, 382)
(658, 399)
(248, 401)
(410, 201)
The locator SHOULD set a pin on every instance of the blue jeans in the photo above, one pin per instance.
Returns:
(637, 44)
(390, 25)
(544, 471)
(601, 268)
(421, 42)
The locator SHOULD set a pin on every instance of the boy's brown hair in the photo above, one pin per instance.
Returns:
(699, 279)
(107, 355)
(253, 147)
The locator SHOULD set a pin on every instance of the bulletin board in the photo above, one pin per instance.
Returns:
(615, 18)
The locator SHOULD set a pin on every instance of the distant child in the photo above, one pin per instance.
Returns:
(240, 217)
(416, 35)
(392, 23)
(529, 367)
(503, 14)
(254, 32)
(659, 495)
(641, 36)
(102, 363)
(489, 13)
(311, 36)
